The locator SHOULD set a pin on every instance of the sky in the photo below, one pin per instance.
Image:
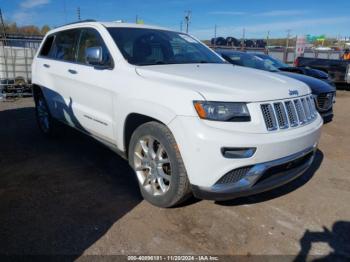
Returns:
(257, 17)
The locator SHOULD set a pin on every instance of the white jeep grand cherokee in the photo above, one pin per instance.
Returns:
(187, 121)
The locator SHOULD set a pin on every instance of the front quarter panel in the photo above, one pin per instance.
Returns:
(158, 100)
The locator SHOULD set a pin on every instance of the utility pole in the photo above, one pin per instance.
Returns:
(267, 38)
(3, 33)
(188, 19)
(287, 45)
(267, 42)
(243, 39)
(3, 25)
(78, 14)
(288, 36)
(215, 30)
(65, 11)
(5, 42)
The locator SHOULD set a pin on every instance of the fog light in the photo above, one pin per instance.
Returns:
(233, 152)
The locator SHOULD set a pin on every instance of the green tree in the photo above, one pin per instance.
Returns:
(29, 30)
(45, 29)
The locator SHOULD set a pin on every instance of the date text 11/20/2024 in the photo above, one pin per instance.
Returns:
(173, 258)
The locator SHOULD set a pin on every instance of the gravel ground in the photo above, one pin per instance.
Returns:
(73, 196)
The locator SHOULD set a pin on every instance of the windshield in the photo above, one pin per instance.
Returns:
(141, 46)
(248, 60)
(276, 63)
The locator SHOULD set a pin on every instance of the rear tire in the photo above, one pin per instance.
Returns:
(155, 157)
(47, 125)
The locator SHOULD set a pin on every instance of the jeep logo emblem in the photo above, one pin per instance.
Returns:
(293, 92)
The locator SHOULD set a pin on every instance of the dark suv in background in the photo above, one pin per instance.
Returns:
(323, 91)
(298, 70)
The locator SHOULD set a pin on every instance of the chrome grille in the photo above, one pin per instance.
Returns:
(324, 101)
(289, 113)
(281, 115)
(300, 111)
(292, 113)
(306, 109)
(269, 116)
(313, 105)
(309, 101)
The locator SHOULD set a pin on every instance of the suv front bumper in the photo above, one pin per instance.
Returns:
(200, 144)
(327, 116)
(260, 177)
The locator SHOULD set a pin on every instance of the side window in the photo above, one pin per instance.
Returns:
(66, 45)
(45, 50)
(91, 38)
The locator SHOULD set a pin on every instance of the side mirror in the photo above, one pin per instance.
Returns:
(93, 55)
(347, 77)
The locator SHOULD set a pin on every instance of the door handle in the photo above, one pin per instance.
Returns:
(46, 65)
(72, 71)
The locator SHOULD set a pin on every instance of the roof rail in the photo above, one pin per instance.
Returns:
(81, 21)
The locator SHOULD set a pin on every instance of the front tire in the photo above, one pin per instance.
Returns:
(160, 171)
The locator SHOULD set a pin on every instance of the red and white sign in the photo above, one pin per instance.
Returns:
(300, 46)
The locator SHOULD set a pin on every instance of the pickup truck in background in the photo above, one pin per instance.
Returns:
(338, 70)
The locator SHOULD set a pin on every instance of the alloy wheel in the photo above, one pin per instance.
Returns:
(152, 166)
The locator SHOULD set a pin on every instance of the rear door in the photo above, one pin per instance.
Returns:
(43, 73)
(62, 54)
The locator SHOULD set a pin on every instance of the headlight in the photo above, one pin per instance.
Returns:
(222, 111)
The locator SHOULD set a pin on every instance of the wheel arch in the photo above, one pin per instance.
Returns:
(131, 123)
(131, 113)
(36, 91)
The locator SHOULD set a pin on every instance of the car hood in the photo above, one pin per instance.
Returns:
(225, 82)
(306, 71)
(316, 73)
(317, 86)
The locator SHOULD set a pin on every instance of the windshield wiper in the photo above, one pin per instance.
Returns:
(179, 63)
(156, 63)
(147, 64)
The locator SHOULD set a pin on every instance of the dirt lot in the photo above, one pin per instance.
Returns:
(73, 196)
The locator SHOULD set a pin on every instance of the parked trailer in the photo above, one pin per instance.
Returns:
(16, 56)
(287, 55)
